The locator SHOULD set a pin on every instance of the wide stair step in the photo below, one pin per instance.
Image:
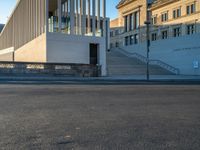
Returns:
(119, 64)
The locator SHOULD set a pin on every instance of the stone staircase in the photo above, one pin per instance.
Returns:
(119, 64)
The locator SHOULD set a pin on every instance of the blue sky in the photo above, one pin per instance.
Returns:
(6, 7)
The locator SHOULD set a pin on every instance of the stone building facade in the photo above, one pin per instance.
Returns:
(174, 18)
(169, 19)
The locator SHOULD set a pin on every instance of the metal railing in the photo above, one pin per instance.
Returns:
(151, 61)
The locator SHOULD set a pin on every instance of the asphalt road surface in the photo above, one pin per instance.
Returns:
(99, 117)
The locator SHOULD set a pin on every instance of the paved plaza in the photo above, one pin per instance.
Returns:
(99, 117)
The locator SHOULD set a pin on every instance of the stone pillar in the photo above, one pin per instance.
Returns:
(128, 23)
(47, 16)
(77, 17)
(83, 17)
(104, 18)
(88, 27)
(98, 15)
(93, 17)
(72, 17)
(59, 15)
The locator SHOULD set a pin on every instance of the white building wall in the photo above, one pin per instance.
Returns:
(179, 52)
(62, 48)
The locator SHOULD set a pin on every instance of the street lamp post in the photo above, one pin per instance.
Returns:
(147, 22)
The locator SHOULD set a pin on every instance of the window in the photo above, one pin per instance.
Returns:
(136, 38)
(126, 41)
(131, 39)
(177, 32)
(190, 9)
(126, 23)
(154, 20)
(136, 20)
(164, 17)
(111, 34)
(190, 29)
(177, 13)
(131, 22)
(164, 34)
(116, 44)
(154, 36)
(116, 32)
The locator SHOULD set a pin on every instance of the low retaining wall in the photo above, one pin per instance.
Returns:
(55, 69)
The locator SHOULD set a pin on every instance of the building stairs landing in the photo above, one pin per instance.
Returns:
(119, 64)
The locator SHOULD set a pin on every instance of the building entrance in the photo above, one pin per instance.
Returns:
(94, 54)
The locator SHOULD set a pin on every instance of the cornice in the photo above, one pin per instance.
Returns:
(123, 3)
(160, 3)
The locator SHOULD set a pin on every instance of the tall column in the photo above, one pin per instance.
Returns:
(59, 11)
(66, 14)
(128, 23)
(77, 17)
(84, 18)
(72, 16)
(98, 15)
(47, 16)
(104, 18)
(81, 16)
(88, 27)
(93, 17)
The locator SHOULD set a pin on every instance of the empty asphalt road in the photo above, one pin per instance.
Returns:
(99, 117)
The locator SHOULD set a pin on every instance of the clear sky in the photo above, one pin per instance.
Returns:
(6, 7)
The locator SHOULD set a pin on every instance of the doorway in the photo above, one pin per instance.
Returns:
(94, 54)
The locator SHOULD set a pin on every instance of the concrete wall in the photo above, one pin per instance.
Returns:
(179, 52)
(34, 51)
(7, 54)
(62, 48)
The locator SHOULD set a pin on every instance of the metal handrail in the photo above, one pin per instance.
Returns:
(151, 61)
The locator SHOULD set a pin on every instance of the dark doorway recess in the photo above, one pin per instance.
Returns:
(94, 54)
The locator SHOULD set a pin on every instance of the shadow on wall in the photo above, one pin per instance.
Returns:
(181, 52)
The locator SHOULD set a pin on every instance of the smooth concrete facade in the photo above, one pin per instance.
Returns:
(33, 51)
(182, 53)
(75, 49)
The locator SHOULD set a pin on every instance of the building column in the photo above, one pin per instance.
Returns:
(83, 28)
(67, 15)
(88, 27)
(59, 11)
(81, 16)
(72, 17)
(77, 17)
(93, 17)
(104, 18)
(128, 23)
(98, 16)
(47, 16)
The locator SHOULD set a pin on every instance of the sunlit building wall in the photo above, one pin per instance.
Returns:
(57, 31)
